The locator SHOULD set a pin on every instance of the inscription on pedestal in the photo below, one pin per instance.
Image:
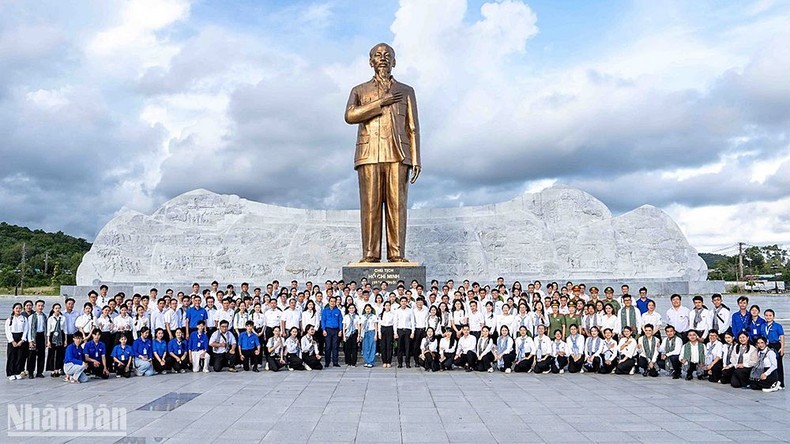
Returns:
(375, 274)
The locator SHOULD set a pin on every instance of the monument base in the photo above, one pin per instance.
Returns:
(391, 272)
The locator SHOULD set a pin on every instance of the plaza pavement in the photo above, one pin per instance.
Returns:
(408, 405)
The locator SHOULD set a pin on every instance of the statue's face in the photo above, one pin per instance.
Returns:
(382, 59)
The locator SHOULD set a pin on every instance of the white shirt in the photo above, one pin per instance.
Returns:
(292, 318)
(16, 324)
(713, 350)
(309, 345)
(387, 319)
(643, 346)
(446, 345)
(476, 321)
(309, 318)
(157, 319)
(273, 318)
(421, 317)
(85, 323)
(578, 340)
(706, 320)
(404, 319)
(429, 344)
(593, 346)
(558, 347)
(123, 323)
(630, 347)
(226, 340)
(652, 318)
(542, 347)
(524, 347)
(483, 346)
(466, 344)
(678, 318)
(292, 345)
(723, 317)
(612, 322)
(678, 346)
(368, 322)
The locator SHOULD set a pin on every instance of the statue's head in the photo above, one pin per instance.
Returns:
(382, 58)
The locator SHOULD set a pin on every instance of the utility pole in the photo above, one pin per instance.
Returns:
(740, 261)
(22, 269)
(46, 262)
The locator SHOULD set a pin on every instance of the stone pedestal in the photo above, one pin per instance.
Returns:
(391, 272)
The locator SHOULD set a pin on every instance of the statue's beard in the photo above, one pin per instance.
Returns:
(383, 72)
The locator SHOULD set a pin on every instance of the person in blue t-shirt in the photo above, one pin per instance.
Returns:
(73, 364)
(331, 324)
(774, 333)
(96, 356)
(143, 352)
(642, 300)
(122, 357)
(195, 314)
(178, 353)
(756, 324)
(249, 347)
(740, 319)
(198, 347)
(159, 348)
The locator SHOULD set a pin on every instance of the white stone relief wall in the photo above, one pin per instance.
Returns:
(559, 233)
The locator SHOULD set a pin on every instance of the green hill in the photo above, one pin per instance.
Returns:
(50, 258)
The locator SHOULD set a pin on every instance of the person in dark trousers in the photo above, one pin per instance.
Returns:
(331, 324)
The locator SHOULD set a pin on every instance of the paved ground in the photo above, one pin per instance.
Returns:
(401, 405)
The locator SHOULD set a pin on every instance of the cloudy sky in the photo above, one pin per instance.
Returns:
(682, 105)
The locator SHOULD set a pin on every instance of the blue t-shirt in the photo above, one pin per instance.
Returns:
(142, 347)
(248, 341)
(198, 341)
(122, 353)
(160, 347)
(177, 347)
(756, 328)
(331, 318)
(773, 331)
(73, 355)
(95, 350)
(642, 305)
(195, 315)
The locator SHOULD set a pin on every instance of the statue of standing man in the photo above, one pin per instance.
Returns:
(388, 147)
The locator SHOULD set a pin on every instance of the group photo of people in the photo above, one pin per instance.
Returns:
(556, 329)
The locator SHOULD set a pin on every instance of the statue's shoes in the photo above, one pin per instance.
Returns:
(398, 259)
(369, 259)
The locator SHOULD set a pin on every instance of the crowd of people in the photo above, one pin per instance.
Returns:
(472, 327)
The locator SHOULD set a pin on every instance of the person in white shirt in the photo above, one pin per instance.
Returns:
(505, 319)
(610, 320)
(310, 355)
(714, 351)
(693, 355)
(404, 331)
(700, 317)
(630, 316)
(652, 317)
(291, 317)
(475, 320)
(593, 348)
(86, 321)
(765, 373)
(16, 333)
(351, 335)
(609, 353)
(420, 312)
(744, 358)
(465, 349)
(720, 316)
(386, 326)
(575, 349)
(524, 349)
(273, 318)
(521, 319)
(559, 353)
(240, 319)
(484, 352)
(503, 351)
(648, 346)
(678, 316)
(543, 357)
(429, 351)
(670, 350)
(446, 350)
(459, 318)
(626, 348)
(158, 315)
(275, 359)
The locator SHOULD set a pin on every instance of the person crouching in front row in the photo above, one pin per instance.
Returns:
(543, 357)
(122, 357)
(693, 355)
(764, 375)
(198, 347)
(96, 356)
(311, 356)
(627, 350)
(648, 346)
(73, 363)
(249, 347)
(223, 343)
(142, 351)
(275, 360)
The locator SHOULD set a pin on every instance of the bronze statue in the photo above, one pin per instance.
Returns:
(388, 146)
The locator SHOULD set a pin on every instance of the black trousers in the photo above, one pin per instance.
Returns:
(780, 368)
(55, 355)
(524, 365)
(158, 366)
(176, 366)
(419, 334)
(404, 346)
(468, 359)
(624, 367)
(249, 359)
(430, 361)
(108, 339)
(484, 362)
(274, 363)
(758, 384)
(351, 349)
(674, 360)
(268, 332)
(15, 359)
(294, 361)
(96, 370)
(387, 336)
(715, 372)
(121, 369)
(594, 365)
(726, 375)
(558, 363)
(507, 360)
(544, 365)
(447, 362)
(319, 339)
(575, 366)
(644, 364)
(223, 360)
(607, 368)
(311, 361)
(740, 377)
(36, 358)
